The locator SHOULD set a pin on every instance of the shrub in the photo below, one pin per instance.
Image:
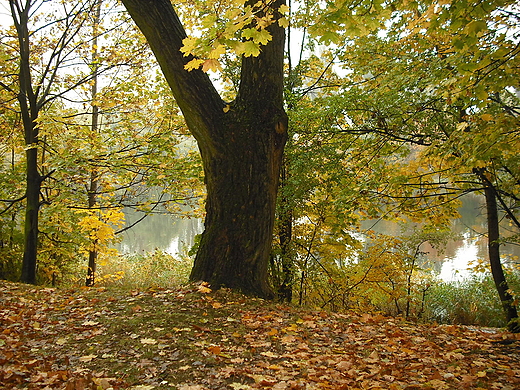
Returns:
(156, 268)
(473, 301)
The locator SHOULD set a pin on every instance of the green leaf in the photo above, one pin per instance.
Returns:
(475, 27)
(258, 36)
(263, 37)
(251, 49)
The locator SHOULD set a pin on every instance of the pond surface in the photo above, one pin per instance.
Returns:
(167, 233)
(176, 236)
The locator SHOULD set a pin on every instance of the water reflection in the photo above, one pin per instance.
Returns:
(159, 231)
(456, 267)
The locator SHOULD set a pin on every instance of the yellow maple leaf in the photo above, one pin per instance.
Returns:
(193, 64)
(211, 64)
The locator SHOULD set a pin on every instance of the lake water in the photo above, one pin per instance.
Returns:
(175, 236)
(160, 232)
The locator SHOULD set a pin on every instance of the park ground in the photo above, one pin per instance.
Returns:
(190, 338)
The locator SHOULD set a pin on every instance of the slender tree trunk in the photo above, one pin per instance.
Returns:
(497, 271)
(94, 179)
(29, 110)
(241, 145)
(33, 186)
(285, 226)
(93, 253)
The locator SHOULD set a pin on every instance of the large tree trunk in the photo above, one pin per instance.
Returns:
(497, 271)
(242, 180)
(241, 145)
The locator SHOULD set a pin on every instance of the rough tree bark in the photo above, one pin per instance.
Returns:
(241, 144)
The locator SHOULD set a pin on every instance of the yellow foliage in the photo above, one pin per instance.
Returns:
(100, 225)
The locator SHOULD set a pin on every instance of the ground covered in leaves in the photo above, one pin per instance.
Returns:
(192, 339)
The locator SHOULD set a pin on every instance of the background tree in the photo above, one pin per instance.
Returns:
(396, 93)
(35, 91)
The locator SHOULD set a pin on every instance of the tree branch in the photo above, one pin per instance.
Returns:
(193, 90)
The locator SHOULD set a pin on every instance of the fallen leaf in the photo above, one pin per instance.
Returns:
(215, 349)
(148, 341)
(270, 354)
(344, 365)
(204, 288)
(87, 358)
(90, 323)
(240, 386)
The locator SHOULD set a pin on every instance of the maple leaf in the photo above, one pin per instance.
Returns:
(204, 288)
(251, 49)
(215, 350)
(90, 323)
(193, 64)
(211, 64)
(240, 386)
(87, 358)
(217, 52)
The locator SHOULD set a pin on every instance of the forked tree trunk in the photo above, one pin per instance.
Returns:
(29, 109)
(241, 145)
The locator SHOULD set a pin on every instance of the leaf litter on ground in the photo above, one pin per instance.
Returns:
(190, 338)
